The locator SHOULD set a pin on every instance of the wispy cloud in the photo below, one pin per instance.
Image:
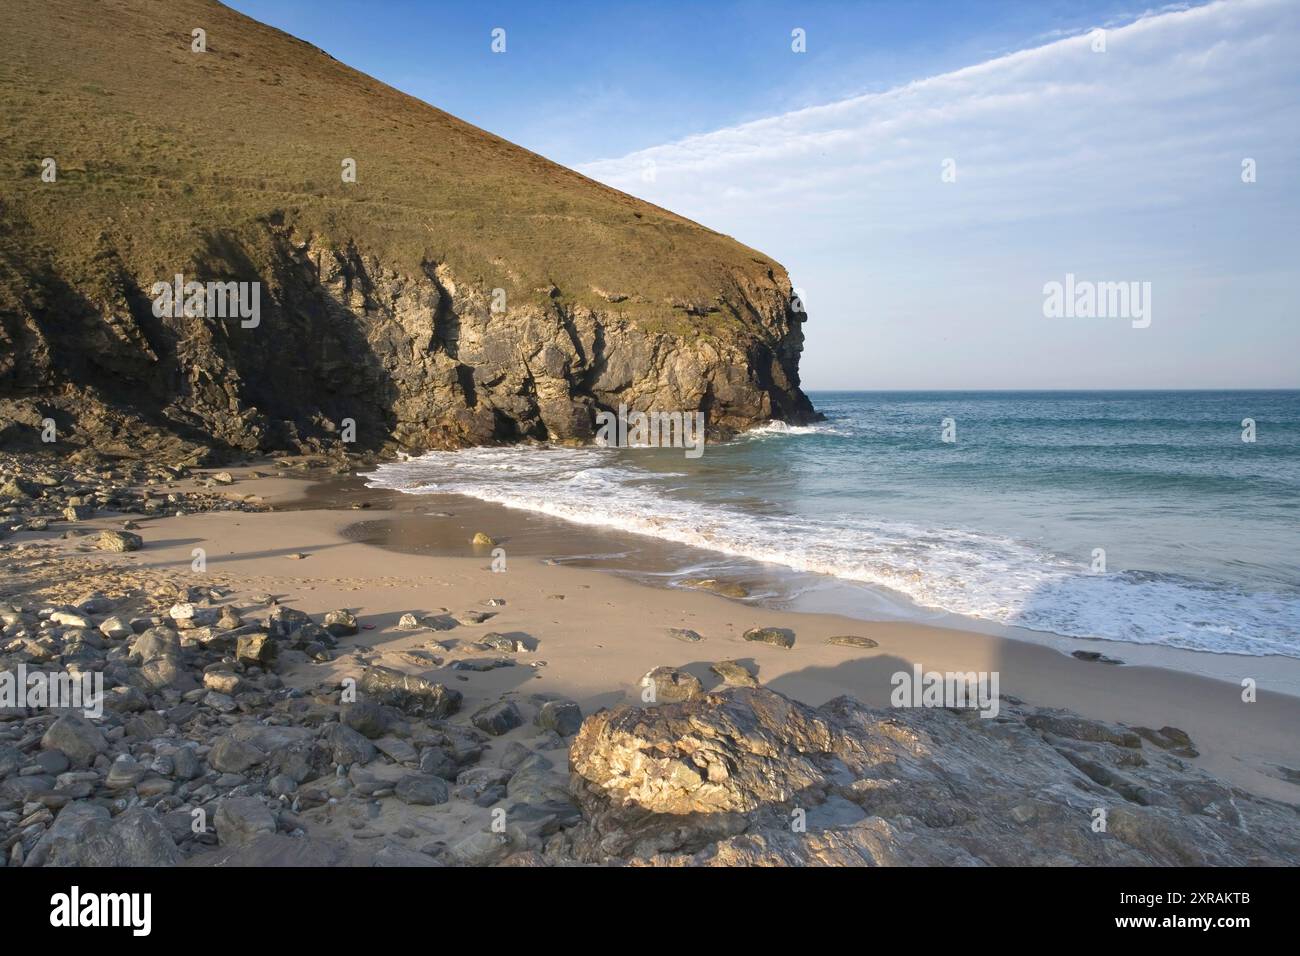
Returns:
(1155, 125)
(1173, 95)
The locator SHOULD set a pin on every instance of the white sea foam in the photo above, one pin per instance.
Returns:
(777, 429)
(985, 576)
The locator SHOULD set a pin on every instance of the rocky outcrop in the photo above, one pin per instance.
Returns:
(345, 342)
(456, 292)
(749, 777)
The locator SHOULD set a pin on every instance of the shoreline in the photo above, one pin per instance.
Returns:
(598, 633)
(540, 536)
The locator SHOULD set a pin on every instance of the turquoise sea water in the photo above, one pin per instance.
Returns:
(1200, 530)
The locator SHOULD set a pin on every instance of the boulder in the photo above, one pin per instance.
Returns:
(421, 790)
(776, 636)
(76, 737)
(229, 755)
(242, 819)
(497, 718)
(367, 718)
(562, 716)
(409, 693)
(719, 780)
(348, 747)
(119, 541)
(91, 839)
(670, 685)
(341, 623)
(734, 673)
(255, 649)
(115, 628)
(852, 640)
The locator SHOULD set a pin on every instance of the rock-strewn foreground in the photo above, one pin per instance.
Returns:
(462, 290)
(218, 745)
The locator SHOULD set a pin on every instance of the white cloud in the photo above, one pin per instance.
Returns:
(1058, 143)
(1173, 93)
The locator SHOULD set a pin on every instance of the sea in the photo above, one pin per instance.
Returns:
(1157, 517)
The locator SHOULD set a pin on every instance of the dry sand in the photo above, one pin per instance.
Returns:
(598, 633)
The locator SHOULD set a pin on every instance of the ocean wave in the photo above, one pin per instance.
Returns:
(776, 429)
(985, 576)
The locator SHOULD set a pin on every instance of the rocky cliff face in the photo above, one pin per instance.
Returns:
(458, 290)
(418, 360)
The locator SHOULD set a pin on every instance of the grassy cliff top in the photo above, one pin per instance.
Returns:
(161, 149)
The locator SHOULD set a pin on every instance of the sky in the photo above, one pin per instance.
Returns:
(924, 171)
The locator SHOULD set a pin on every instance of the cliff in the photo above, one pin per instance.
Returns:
(461, 290)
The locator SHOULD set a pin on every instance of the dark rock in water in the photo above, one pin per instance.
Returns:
(776, 636)
(1095, 657)
(671, 685)
(852, 640)
(497, 718)
(717, 780)
(409, 693)
(562, 716)
(422, 790)
(717, 587)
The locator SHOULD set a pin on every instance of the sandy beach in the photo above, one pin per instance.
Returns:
(593, 635)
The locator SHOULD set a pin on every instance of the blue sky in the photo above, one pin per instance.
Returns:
(1114, 165)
